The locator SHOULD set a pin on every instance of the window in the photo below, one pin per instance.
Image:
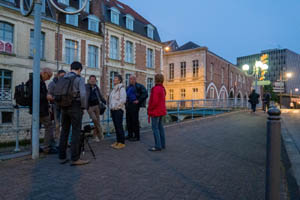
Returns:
(195, 68)
(72, 19)
(42, 44)
(230, 78)
(171, 71)
(7, 117)
(111, 79)
(114, 47)
(150, 58)
(66, 2)
(149, 84)
(150, 31)
(171, 93)
(129, 52)
(195, 93)
(93, 23)
(5, 79)
(222, 75)
(71, 51)
(93, 56)
(212, 93)
(182, 92)
(211, 71)
(183, 70)
(87, 7)
(6, 32)
(114, 15)
(127, 76)
(129, 22)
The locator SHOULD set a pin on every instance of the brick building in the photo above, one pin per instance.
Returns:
(194, 72)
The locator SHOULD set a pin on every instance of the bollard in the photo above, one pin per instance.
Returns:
(273, 155)
(17, 149)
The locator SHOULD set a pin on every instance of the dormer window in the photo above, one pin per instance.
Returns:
(114, 15)
(66, 2)
(129, 22)
(87, 7)
(72, 19)
(93, 23)
(150, 31)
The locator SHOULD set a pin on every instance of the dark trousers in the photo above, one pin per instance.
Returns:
(132, 120)
(253, 107)
(117, 117)
(71, 116)
(266, 106)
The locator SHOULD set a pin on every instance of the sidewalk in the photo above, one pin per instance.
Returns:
(221, 158)
(291, 139)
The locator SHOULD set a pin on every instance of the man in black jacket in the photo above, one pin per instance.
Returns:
(94, 99)
(136, 98)
(49, 143)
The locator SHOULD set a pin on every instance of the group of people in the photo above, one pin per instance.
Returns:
(82, 96)
(254, 100)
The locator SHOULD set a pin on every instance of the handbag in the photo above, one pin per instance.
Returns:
(102, 108)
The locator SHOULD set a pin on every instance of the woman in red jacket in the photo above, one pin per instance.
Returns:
(156, 110)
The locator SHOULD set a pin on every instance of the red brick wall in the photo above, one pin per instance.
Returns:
(58, 47)
(83, 48)
(218, 64)
(141, 78)
(107, 47)
(157, 62)
(122, 51)
(140, 52)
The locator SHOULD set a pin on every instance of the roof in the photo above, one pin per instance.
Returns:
(140, 23)
(187, 46)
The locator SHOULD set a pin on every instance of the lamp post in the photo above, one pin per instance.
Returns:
(36, 7)
(258, 65)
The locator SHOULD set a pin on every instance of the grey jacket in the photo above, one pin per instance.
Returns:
(79, 87)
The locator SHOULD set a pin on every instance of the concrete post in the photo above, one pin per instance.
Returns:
(273, 155)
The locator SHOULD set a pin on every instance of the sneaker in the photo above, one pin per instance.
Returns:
(80, 162)
(119, 146)
(114, 145)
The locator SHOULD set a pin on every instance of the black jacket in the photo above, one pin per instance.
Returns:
(141, 94)
(88, 92)
(44, 104)
(253, 98)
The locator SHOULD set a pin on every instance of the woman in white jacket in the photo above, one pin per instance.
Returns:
(117, 100)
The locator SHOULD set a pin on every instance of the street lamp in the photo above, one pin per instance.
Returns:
(36, 7)
(289, 75)
(258, 65)
(296, 89)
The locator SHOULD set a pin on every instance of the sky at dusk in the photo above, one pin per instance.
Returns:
(229, 28)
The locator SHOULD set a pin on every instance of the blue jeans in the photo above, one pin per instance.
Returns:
(158, 132)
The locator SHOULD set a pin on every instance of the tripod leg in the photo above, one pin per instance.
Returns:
(87, 141)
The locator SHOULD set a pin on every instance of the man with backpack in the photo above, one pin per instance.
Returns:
(56, 110)
(70, 95)
(49, 143)
(95, 103)
(136, 98)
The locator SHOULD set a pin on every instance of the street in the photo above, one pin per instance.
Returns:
(218, 158)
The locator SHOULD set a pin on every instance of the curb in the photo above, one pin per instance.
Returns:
(291, 161)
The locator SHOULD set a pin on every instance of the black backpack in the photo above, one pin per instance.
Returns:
(63, 91)
(22, 95)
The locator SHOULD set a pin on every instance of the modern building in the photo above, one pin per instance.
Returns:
(194, 72)
(280, 62)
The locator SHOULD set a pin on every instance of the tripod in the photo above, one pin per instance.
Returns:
(85, 139)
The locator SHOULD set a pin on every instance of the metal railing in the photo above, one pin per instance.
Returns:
(5, 95)
(203, 107)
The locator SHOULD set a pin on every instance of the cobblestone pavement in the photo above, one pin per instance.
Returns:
(219, 158)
